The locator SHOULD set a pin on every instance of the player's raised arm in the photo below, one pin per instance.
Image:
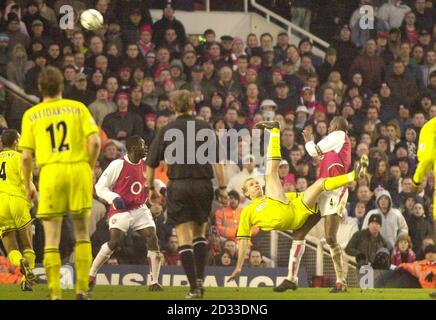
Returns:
(333, 141)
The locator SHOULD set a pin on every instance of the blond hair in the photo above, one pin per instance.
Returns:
(183, 101)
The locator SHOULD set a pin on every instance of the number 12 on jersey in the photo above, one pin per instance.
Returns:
(61, 129)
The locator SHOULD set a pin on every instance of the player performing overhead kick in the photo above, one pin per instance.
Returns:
(335, 150)
(277, 210)
(123, 186)
(15, 220)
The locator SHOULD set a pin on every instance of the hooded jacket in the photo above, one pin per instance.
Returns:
(393, 222)
(392, 13)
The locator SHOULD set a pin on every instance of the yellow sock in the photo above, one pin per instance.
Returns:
(333, 183)
(273, 151)
(83, 265)
(14, 257)
(29, 255)
(52, 265)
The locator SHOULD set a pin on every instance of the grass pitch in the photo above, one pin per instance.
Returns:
(13, 292)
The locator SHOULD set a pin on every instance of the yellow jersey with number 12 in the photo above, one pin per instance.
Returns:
(57, 131)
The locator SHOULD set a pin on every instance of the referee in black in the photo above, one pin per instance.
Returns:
(190, 192)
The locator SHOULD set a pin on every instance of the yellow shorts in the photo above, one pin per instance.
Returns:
(299, 208)
(14, 213)
(65, 188)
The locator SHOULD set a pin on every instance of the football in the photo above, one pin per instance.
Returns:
(91, 19)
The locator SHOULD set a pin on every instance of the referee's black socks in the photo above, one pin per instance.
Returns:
(200, 254)
(188, 263)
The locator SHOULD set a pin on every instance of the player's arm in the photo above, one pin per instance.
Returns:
(27, 165)
(221, 177)
(333, 141)
(243, 246)
(244, 235)
(94, 145)
(104, 186)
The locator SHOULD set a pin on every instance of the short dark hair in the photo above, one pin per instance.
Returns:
(132, 142)
(9, 136)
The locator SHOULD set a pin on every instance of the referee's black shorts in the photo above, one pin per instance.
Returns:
(189, 200)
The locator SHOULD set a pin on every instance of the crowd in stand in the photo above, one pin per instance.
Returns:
(382, 80)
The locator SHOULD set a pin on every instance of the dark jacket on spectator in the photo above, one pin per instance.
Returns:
(362, 243)
(131, 123)
(160, 26)
(371, 69)
(31, 82)
(86, 97)
(419, 229)
(346, 52)
(403, 88)
(424, 20)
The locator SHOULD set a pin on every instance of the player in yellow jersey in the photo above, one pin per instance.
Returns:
(15, 219)
(64, 138)
(426, 160)
(277, 210)
(426, 156)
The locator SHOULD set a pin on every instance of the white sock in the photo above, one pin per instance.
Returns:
(154, 263)
(295, 255)
(103, 255)
(336, 253)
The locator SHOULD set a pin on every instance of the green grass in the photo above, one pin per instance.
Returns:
(13, 292)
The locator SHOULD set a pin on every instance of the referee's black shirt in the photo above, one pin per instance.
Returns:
(180, 171)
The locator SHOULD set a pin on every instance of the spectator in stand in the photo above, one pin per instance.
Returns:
(394, 223)
(429, 66)
(31, 82)
(80, 92)
(255, 259)
(122, 123)
(109, 154)
(4, 53)
(231, 246)
(171, 254)
(424, 16)
(301, 13)
(402, 84)
(369, 65)
(225, 259)
(168, 20)
(18, 66)
(365, 243)
(393, 13)
(102, 106)
(359, 214)
(420, 226)
(402, 252)
(227, 218)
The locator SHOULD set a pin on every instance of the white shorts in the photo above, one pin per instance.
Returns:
(333, 202)
(136, 219)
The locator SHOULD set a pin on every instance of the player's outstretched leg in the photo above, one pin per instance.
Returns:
(311, 194)
(273, 186)
(106, 251)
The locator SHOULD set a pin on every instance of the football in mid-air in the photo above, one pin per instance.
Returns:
(91, 19)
